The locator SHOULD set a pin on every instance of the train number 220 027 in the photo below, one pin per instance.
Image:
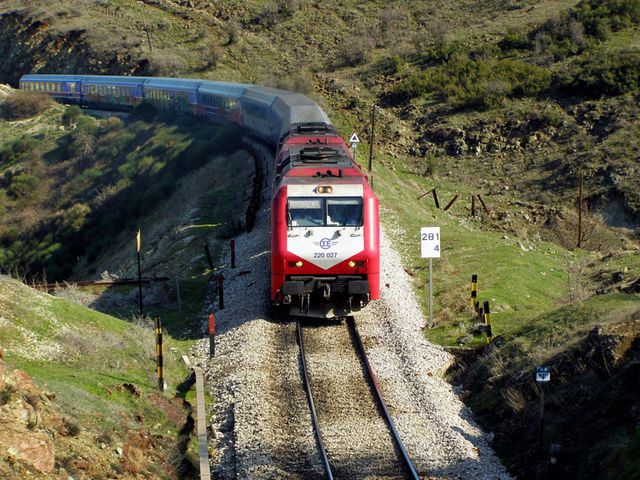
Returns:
(325, 254)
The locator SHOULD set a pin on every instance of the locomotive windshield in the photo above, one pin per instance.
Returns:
(325, 212)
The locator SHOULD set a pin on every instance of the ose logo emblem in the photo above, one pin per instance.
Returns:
(325, 243)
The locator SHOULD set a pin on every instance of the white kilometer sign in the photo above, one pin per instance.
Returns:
(430, 242)
(430, 248)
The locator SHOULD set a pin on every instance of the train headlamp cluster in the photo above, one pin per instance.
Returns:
(297, 264)
(324, 189)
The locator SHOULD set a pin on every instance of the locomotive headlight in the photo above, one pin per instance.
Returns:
(324, 189)
(352, 263)
(299, 263)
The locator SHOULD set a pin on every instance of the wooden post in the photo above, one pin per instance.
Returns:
(484, 206)
(487, 322)
(450, 204)
(178, 299)
(220, 292)
(208, 254)
(580, 210)
(232, 246)
(435, 197)
(473, 205)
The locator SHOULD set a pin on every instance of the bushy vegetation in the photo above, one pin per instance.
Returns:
(464, 82)
(20, 105)
(109, 173)
(576, 30)
(605, 73)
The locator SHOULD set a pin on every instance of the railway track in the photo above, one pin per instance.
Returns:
(375, 449)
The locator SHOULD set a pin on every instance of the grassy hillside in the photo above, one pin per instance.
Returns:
(98, 373)
(72, 182)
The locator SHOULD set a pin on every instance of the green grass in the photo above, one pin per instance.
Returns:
(94, 355)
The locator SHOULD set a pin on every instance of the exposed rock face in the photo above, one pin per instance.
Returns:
(22, 435)
(29, 46)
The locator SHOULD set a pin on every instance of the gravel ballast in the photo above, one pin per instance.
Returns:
(260, 417)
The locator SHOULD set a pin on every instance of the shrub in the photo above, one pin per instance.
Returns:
(600, 17)
(231, 29)
(354, 52)
(606, 73)
(23, 185)
(71, 115)
(20, 105)
(514, 40)
(464, 82)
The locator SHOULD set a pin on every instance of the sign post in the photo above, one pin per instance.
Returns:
(354, 141)
(430, 248)
(543, 375)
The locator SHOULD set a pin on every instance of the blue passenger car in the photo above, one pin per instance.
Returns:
(220, 101)
(60, 87)
(257, 114)
(173, 94)
(112, 91)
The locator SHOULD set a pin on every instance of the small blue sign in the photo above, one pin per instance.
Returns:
(543, 374)
(325, 243)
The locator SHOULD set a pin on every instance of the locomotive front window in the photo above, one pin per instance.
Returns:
(303, 212)
(345, 212)
(324, 212)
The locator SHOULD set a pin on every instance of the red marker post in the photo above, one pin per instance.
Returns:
(212, 335)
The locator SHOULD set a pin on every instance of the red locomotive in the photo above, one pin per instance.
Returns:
(325, 238)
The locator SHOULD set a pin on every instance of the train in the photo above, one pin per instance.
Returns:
(325, 229)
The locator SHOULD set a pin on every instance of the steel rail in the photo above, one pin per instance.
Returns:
(396, 436)
(312, 407)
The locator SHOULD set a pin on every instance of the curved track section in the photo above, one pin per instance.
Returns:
(361, 435)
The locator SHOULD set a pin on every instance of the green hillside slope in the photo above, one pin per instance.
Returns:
(98, 374)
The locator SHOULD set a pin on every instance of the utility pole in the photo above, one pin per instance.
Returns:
(371, 142)
(146, 27)
(580, 201)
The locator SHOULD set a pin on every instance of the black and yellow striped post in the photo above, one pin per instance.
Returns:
(487, 322)
(474, 292)
(158, 330)
(138, 242)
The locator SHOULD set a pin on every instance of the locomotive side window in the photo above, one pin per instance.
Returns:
(305, 212)
(345, 212)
